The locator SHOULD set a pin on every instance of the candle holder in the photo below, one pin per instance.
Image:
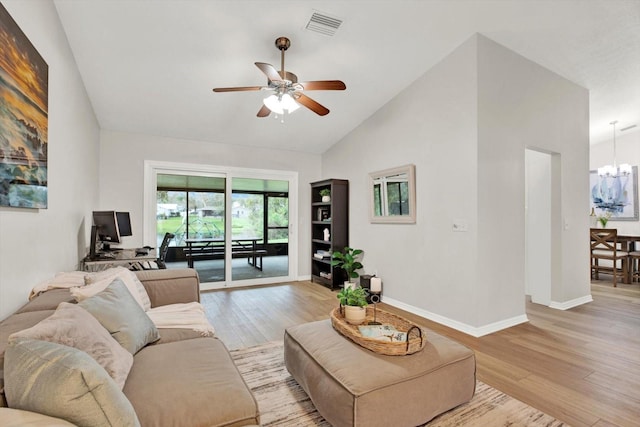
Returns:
(375, 299)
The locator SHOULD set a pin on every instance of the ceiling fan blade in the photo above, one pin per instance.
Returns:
(324, 85)
(269, 71)
(311, 104)
(236, 89)
(264, 111)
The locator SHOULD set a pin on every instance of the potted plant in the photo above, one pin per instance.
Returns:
(354, 301)
(325, 193)
(603, 219)
(347, 261)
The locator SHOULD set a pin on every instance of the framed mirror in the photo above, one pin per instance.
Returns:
(393, 195)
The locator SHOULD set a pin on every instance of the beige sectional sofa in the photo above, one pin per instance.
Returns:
(182, 379)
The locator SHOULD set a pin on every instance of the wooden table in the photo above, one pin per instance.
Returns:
(214, 247)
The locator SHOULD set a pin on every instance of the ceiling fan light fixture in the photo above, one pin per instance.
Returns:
(288, 103)
(273, 104)
(278, 104)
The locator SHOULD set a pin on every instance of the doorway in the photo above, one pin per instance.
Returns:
(541, 218)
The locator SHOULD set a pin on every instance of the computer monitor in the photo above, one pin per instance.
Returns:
(107, 231)
(124, 223)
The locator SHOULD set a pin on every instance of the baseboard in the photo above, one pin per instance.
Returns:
(571, 303)
(305, 277)
(462, 327)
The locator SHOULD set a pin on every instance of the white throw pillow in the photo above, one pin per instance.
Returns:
(73, 326)
(97, 282)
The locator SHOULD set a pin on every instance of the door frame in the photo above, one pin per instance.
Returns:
(151, 170)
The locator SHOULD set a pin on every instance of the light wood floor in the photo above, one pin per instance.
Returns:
(581, 366)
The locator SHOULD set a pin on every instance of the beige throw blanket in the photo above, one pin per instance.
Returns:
(187, 315)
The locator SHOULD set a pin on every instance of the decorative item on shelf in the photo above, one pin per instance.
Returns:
(354, 301)
(325, 193)
(326, 234)
(323, 214)
(604, 219)
(347, 260)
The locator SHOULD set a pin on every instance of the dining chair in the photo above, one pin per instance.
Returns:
(604, 246)
(634, 266)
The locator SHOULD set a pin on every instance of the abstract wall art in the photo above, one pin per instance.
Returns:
(617, 196)
(24, 77)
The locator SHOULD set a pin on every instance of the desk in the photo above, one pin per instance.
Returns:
(213, 248)
(124, 257)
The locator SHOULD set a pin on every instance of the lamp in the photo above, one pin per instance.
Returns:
(614, 170)
(280, 102)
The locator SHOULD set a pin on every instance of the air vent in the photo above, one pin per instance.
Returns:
(323, 24)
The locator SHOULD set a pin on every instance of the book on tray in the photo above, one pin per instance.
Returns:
(383, 332)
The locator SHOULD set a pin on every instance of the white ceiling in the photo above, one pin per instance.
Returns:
(149, 65)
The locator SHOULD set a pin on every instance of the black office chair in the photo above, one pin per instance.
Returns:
(164, 248)
(159, 263)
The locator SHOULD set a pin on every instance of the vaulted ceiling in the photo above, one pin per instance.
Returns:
(149, 66)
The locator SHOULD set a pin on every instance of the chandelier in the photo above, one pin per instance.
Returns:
(612, 171)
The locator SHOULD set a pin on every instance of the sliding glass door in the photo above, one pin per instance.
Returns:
(192, 208)
(259, 228)
(232, 225)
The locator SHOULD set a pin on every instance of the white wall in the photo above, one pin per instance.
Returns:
(465, 124)
(627, 151)
(37, 243)
(432, 124)
(122, 157)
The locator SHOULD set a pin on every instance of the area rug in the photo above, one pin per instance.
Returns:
(283, 402)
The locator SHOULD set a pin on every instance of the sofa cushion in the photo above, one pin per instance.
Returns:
(97, 282)
(168, 335)
(117, 310)
(73, 326)
(18, 418)
(48, 300)
(63, 382)
(170, 286)
(189, 383)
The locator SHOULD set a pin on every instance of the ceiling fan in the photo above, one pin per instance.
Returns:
(288, 92)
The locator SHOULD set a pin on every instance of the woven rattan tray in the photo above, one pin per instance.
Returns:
(416, 337)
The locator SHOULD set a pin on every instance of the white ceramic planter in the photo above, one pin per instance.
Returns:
(354, 315)
(326, 199)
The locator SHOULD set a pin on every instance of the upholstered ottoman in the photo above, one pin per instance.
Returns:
(352, 386)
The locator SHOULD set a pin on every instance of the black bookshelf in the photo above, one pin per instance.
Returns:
(334, 217)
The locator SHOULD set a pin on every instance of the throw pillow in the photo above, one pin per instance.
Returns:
(63, 382)
(97, 282)
(73, 326)
(117, 310)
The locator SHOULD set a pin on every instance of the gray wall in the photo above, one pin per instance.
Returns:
(465, 124)
(36, 244)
